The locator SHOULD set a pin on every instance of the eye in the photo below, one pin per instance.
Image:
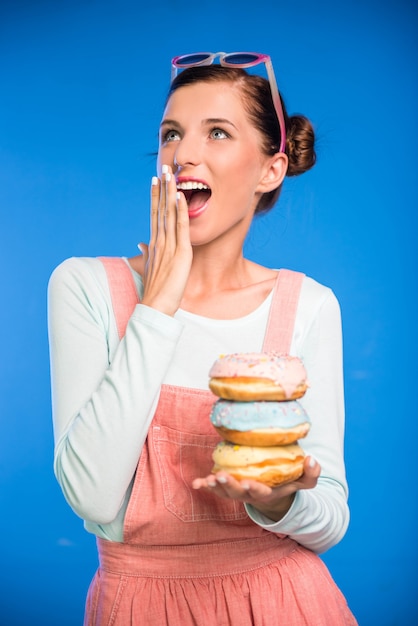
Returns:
(170, 135)
(218, 133)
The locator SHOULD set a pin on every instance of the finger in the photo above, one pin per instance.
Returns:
(241, 490)
(158, 212)
(170, 210)
(207, 482)
(166, 180)
(155, 201)
(183, 221)
(215, 483)
(312, 467)
(143, 248)
(311, 473)
(255, 490)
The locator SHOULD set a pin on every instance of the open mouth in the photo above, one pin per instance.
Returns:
(197, 195)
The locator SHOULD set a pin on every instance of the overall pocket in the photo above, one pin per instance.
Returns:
(181, 458)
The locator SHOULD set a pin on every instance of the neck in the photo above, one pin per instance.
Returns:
(216, 268)
(225, 287)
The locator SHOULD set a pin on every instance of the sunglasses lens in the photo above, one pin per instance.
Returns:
(241, 58)
(192, 59)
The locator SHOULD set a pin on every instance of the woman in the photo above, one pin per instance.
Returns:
(132, 342)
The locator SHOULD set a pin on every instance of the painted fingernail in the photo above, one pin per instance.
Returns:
(164, 169)
(222, 480)
(245, 486)
(211, 483)
(140, 249)
(168, 177)
(312, 462)
(154, 181)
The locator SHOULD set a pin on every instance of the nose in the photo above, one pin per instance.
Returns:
(188, 153)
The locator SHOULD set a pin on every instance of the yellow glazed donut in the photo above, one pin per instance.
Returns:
(272, 465)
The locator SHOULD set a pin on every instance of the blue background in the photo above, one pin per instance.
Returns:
(81, 92)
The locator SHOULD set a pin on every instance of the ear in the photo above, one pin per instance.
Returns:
(273, 173)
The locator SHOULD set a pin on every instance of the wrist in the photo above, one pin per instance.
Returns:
(276, 511)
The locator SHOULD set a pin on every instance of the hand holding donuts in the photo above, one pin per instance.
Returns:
(168, 256)
(261, 420)
(274, 502)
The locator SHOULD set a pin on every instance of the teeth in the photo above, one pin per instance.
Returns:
(191, 185)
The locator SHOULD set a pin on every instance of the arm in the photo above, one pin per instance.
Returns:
(104, 395)
(103, 392)
(318, 517)
(312, 510)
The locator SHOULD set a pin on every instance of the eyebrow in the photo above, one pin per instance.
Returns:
(210, 120)
(218, 120)
(169, 122)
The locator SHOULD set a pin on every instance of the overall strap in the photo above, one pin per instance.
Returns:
(122, 290)
(283, 309)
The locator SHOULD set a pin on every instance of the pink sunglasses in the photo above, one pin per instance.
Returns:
(236, 59)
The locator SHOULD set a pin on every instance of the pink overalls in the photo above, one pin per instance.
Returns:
(188, 557)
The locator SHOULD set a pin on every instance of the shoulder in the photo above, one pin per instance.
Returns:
(317, 300)
(77, 271)
(86, 277)
(313, 294)
(78, 293)
(316, 292)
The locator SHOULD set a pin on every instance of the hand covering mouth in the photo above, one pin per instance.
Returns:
(196, 193)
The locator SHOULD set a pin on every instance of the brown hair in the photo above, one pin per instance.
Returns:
(300, 137)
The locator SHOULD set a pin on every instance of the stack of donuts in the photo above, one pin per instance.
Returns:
(258, 416)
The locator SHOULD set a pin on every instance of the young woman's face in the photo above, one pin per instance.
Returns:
(208, 140)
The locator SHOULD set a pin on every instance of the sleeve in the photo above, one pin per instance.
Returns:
(319, 517)
(102, 399)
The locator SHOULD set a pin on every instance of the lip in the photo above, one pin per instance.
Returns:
(199, 211)
(192, 179)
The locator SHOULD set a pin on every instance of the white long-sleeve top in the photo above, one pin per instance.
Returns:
(104, 394)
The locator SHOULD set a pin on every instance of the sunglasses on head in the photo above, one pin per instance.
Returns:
(236, 59)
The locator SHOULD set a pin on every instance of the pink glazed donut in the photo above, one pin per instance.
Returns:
(258, 376)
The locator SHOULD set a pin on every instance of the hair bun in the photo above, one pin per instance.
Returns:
(300, 142)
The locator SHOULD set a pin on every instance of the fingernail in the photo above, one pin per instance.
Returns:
(154, 181)
(211, 484)
(178, 194)
(168, 177)
(164, 169)
(312, 462)
(221, 479)
(140, 249)
(245, 486)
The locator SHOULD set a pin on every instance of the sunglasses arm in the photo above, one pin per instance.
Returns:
(277, 103)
